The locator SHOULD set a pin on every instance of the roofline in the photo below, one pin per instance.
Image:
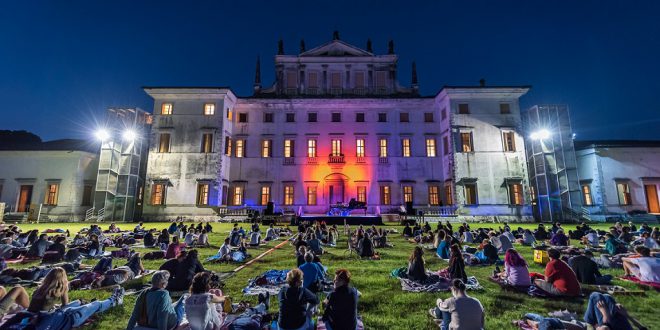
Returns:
(186, 87)
(450, 87)
(586, 144)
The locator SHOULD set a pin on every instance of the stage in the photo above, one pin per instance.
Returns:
(353, 220)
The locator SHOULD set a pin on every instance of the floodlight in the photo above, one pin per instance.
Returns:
(129, 135)
(541, 134)
(102, 134)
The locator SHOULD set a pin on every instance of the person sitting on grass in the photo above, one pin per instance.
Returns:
(38, 248)
(53, 289)
(591, 239)
(540, 233)
(560, 280)
(467, 237)
(15, 296)
(174, 248)
(203, 239)
(559, 239)
(614, 246)
(296, 302)
(515, 272)
(332, 237)
(489, 252)
(313, 273)
(586, 269)
(456, 267)
(314, 244)
(407, 231)
(154, 308)
(644, 267)
(190, 238)
(255, 238)
(271, 234)
(416, 268)
(185, 271)
(460, 311)
(501, 242)
(649, 241)
(171, 264)
(341, 304)
(527, 239)
(444, 242)
(365, 247)
(200, 306)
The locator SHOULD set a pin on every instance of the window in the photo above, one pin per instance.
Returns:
(407, 194)
(359, 117)
(202, 194)
(505, 108)
(509, 141)
(586, 195)
(382, 148)
(359, 147)
(313, 80)
(88, 191)
(51, 193)
(311, 117)
(463, 109)
(291, 79)
(430, 147)
(405, 147)
(158, 194)
(311, 195)
(238, 196)
(164, 142)
(230, 114)
(288, 195)
(225, 195)
(449, 196)
(166, 109)
(515, 194)
(207, 143)
(336, 117)
(290, 117)
(466, 142)
(443, 114)
(428, 117)
(385, 195)
(268, 117)
(242, 117)
(289, 148)
(381, 77)
(362, 194)
(266, 148)
(240, 148)
(623, 191)
(209, 109)
(359, 79)
(470, 193)
(227, 146)
(311, 148)
(445, 145)
(434, 195)
(336, 147)
(404, 117)
(335, 80)
(382, 117)
(265, 195)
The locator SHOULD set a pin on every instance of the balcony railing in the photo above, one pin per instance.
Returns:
(335, 90)
(336, 159)
(360, 159)
(312, 160)
(312, 91)
(360, 91)
(383, 160)
(289, 161)
(291, 91)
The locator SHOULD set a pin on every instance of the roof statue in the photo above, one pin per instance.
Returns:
(280, 47)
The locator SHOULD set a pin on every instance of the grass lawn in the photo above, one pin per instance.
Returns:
(383, 305)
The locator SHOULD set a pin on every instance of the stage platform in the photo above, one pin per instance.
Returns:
(353, 220)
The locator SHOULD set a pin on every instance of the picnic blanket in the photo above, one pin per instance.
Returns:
(271, 281)
(634, 279)
(506, 286)
(610, 289)
(435, 282)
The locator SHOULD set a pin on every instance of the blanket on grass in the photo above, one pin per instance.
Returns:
(634, 279)
(435, 282)
(271, 281)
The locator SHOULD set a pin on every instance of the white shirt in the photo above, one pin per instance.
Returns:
(467, 237)
(255, 238)
(224, 250)
(649, 269)
(270, 233)
(593, 239)
(651, 243)
(190, 237)
(202, 313)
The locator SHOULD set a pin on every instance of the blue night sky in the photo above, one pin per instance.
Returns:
(63, 62)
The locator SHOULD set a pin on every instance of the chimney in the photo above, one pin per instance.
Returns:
(369, 47)
(482, 82)
(414, 83)
(302, 46)
(257, 77)
(280, 47)
(335, 35)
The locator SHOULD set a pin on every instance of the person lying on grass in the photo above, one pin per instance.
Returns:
(460, 311)
(643, 266)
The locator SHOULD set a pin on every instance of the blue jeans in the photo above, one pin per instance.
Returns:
(444, 316)
(593, 316)
(545, 323)
(179, 310)
(80, 313)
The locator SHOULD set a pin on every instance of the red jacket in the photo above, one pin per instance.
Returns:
(562, 277)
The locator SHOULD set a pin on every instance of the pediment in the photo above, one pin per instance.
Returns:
(336, 48)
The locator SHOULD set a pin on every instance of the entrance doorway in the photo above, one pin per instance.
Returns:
(652, 198)
(24, 198)
(335, 192)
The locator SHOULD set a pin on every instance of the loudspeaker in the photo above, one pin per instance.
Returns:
(409, 208)
(269, 209)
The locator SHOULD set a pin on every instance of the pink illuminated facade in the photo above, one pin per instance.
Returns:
(336, 125)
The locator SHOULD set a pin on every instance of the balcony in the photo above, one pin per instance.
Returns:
(291, 91)
(360, 91)
(383, 160)
(312, 160)
(360, 159)
(289, 161)
(335, 90)
(312, 91)
(336, 159)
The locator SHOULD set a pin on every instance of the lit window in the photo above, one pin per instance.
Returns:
(466, 142)
(404, 117)
(230, 114)
(359, 117)
(385, 196)
(449, 196)
(203, 194)
(311, 195)
(586, 195)
(164, 142)
(463, 109)
(470, 194)
(445, 145)
(515, 194)
(362, 194)
(207, 143)
(265, 195)
(359, 147)
(405, 147)
(240, 148)
(623, 191)
(268, 117)
(288, 195)
(158, 194)
(428, 117)
(336, 117)
(430, 147)
(509, 140)
(51, 193)
(166, 109)
(288, 148)
(209, 109)
(311, 148)
(434, 195)
(242, 117)
(238, 195)
(227, 146)
(382, 148)
(336, 147)
(505, 108)
(266, 148)
(407, 194)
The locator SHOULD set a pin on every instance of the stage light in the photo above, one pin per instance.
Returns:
(541, 134)
(102, 134)
(129, 135)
